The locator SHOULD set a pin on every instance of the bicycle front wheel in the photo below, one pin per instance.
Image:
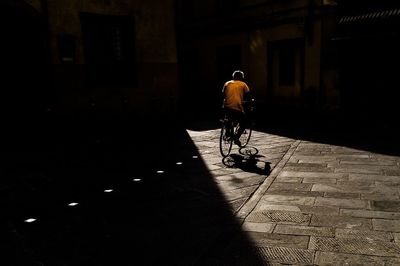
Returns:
(245, 137)
(225, 143)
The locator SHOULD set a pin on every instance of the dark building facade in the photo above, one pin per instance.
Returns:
(277, 43)
(328, 56)
(105, 56)
(25, 53)
(366, 41)
(110, 56)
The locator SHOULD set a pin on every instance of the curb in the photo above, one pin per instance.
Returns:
(251, 203)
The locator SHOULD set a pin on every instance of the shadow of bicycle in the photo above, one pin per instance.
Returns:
(248, 160)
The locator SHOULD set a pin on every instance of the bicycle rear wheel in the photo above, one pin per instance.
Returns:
(225, 143)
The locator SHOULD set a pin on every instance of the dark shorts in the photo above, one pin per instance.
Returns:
(234, 115)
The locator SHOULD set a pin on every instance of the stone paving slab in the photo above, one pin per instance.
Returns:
(334, 258)
(292, 186)
(363, 234)
(275, 216)
(372, 167)
(310, 174)
(276, 207)
(309, 169)
(386, 225)
(343, 195)
(304, 230)
(370, 214)
(314, 159)
(273, 157)
(357, 171)
(391, 206)
(296, 193)
(297, 208)
(388, 184)
(279, 149)
(347, 154)
(375, 196)
(289, 179)
(263, 255)
(381, 178)
(349, 203)
(319, 210)
(362, 188)
(392, 172)
(298, 200)
(309, 166)
(289, 256)
(341, 222)
(362, 183)
(369, 161)
(258, 227)
(278, 240)
(355, 246)
(271, 145)
(314, 180)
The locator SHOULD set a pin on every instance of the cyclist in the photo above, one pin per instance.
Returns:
(237, 103)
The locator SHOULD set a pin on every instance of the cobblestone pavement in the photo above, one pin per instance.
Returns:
(115, 198)
(306, 203)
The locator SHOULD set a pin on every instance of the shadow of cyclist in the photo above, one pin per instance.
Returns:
(248, 162)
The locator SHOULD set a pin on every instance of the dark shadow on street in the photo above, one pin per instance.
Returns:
(249, 161)
(106, 193)
(374, 132)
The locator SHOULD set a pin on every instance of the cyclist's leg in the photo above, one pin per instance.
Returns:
(229, 118)
(241, 118)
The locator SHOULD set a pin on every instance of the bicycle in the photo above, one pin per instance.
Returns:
(228, 130)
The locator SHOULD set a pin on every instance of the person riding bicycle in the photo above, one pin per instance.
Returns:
(237, 103)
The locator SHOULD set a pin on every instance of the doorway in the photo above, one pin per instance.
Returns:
(285, 64)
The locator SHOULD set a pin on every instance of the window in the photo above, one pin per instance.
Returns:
(285, 67)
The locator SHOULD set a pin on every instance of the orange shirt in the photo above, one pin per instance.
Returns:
(234, 92)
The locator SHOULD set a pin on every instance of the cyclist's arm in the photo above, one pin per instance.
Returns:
(248, 98)
(248, 101)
